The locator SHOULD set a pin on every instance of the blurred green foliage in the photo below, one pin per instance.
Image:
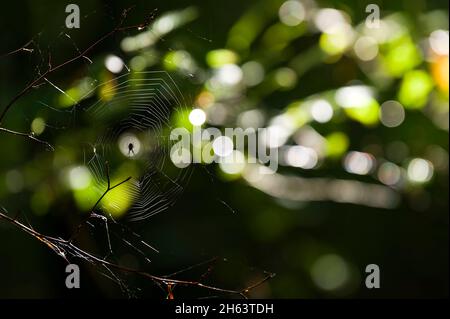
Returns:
(370, 105)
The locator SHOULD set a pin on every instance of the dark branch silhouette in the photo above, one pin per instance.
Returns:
(66, 248)
(92, 210)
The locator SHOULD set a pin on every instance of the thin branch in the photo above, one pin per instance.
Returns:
(61, 247)
(47, 240)
(22, 48)
(27, 135)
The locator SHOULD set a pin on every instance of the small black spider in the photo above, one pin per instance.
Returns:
(130, 149)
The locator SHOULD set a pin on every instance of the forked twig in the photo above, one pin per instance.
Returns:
(92, 210)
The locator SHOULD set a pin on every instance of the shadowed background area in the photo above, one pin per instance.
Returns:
(358, 114)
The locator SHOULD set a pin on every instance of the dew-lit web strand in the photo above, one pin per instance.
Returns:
(122, 238)
(142, 97)
(124, 83)
(148, 207)
(162, 114)
(153, 203)
(124, 228)
(114, 90)
(125, 232)
(137, 250)
(139, 108)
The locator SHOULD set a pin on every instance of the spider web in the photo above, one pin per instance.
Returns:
(145, 105)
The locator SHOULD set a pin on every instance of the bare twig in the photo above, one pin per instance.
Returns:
(64, 248)
(22, 48)
(27, 135)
